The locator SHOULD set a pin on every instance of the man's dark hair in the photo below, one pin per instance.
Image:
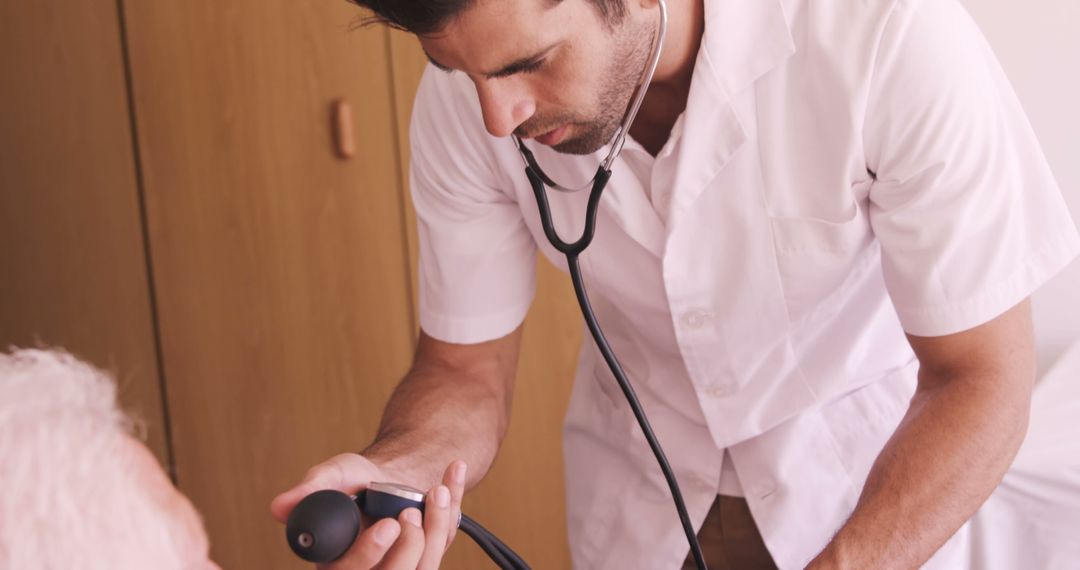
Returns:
(423, 17)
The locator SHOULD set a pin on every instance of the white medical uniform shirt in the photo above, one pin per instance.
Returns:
(843, 172)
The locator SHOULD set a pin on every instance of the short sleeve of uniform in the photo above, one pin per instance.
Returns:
(967, 212)
(477, 257)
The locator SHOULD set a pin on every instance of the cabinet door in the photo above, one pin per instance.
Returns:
(72, 262)
(280, 269)
(522, 498)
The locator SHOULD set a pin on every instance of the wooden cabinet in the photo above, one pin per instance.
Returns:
(73, 269)
(281, 270)
(173, 207)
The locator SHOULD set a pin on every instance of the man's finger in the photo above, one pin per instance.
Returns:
(454, 479)
(369, 549)
(436, 527)
(406, 552)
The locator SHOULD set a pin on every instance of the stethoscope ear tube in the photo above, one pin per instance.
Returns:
(536, 179)
(636, 99)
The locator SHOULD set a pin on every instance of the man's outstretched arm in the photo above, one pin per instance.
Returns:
(454, 404)
(961, 432)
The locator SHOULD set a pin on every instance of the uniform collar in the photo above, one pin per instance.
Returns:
(743, 40)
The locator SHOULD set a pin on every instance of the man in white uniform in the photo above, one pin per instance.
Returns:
(813, 258)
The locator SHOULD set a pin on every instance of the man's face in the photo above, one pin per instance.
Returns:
(558, 72)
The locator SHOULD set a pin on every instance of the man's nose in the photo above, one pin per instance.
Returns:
(504, 105)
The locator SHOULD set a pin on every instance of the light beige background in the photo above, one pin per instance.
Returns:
(1039, 47)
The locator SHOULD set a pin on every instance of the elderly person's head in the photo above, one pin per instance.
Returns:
(77, 489)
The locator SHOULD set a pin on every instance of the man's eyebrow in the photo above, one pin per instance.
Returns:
(516, 66)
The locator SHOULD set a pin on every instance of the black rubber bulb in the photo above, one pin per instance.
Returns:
(323, 526)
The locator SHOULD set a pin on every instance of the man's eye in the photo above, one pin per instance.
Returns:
(532, 66)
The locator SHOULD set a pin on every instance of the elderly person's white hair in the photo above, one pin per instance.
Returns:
(73, 492)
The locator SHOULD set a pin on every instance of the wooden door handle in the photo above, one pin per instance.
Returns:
(342, 117)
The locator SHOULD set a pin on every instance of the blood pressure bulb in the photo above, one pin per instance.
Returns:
(323, 526)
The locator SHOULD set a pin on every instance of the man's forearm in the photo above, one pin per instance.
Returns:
(437, 416)
(948, 454)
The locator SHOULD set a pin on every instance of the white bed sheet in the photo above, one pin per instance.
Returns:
(1032, 520)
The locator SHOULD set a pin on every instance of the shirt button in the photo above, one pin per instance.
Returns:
(695, 319)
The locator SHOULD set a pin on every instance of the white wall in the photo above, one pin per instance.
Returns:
(1039, 47)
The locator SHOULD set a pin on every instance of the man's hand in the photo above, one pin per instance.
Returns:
(402, 544)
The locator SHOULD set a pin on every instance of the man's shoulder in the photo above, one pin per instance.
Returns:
(839, 43)
(842, 18)
(447, 96)
(446, 110)
(854, 11)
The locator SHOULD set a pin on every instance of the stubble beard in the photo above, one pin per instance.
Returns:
(626, 69)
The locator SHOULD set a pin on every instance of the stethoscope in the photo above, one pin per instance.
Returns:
(325, 524)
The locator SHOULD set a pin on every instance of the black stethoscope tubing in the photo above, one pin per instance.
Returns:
(502, 555)
(572, 251)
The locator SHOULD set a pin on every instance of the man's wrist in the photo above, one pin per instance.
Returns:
(843, 553)
(401, 467)
(827, 560)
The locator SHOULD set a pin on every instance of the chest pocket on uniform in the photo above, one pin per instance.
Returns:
(819, 261)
